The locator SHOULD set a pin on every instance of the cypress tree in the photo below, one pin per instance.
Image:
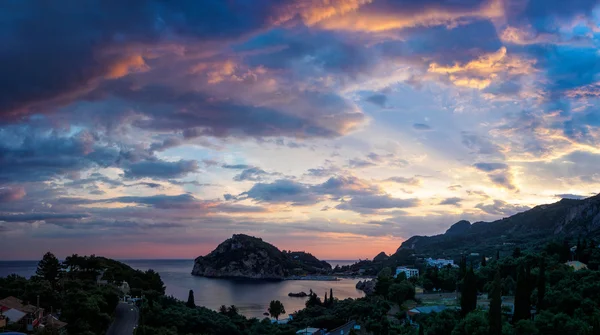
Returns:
(541, 285)
(495, 312)
(483, 260)
(497, 255)
(468, 296)
(522, 303)
(190, 302)
(325, 300)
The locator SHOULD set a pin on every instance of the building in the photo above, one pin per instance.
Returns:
(310, 331)
(576, 265)
(424, 310)
(439, 263)
(53, 323)
(17, 312)
(345, 329)
(409, 272)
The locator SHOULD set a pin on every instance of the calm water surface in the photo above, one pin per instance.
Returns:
(251, 297)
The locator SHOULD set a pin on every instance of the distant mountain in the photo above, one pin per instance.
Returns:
(380, 257)
(529, 229)
(244, 256)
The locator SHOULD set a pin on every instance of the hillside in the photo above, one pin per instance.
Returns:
(244, 256)
(529, 229)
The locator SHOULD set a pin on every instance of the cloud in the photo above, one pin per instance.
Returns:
(358, 163)
(403, 180)
(490, 167)
(254, 174)
(377, 99)
(282, 191)
(30, 217)
(454, 201)
(236, 166)
(500, 207)
(12, 193)
(498, 173)
(421, 126)
(571, 196)
(161, 169)
(368, 204)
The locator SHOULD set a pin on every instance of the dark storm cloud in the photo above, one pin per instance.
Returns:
(64, 44)
(161, 169)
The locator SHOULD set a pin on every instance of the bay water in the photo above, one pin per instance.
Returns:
(251, 297)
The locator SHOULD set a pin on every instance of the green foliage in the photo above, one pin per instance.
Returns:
(191, 303)
(400, 292)
(276, 309)
(522, 297)
(495, 310)
(474, 323)
(468, 296)
(49, 268)
(525, 327)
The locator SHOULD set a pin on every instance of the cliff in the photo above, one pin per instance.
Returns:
(244, 256)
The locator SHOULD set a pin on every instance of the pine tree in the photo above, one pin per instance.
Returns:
(522, 300)
(191, 302)
(541, 285)
(483, 260)
(495, 312)
(468, 297)
(49, 268)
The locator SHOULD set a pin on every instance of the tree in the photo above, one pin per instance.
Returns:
(421, 329)
(325, 300)
(495, 312)
(223, 309)
(541, 285)
(401, 292)
(522, 299)
(516, 252)
(313, 300)
(497, 255)
(190, 302)
(483, 260)
(232, 311)
(276, 309)
(49, 268)
(468, 297)
(330, 296)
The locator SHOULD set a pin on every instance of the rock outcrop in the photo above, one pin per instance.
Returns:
(367, 286)
(244, 256)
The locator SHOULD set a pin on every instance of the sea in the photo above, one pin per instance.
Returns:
(251, 297)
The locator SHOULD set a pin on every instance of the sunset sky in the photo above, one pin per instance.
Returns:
(157, 129)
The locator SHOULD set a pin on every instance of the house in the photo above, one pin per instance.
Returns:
(576, 265)
(439, 263)
(344, 329)
(409, 272)
(310, 331)
(283, 321)
(424, 310)
(17, 312)
(54, 324)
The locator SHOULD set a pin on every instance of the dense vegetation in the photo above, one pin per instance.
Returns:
(71, 288)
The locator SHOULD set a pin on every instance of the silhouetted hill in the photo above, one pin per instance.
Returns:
(246, 256)
(529, 229)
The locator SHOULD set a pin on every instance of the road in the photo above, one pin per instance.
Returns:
(126, 319)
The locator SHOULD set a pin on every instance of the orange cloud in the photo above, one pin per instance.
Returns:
(348, 15)
(480, 73)
(133, 63)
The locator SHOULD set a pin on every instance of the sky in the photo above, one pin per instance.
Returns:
(157, 129)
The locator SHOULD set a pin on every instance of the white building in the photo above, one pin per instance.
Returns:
(439, 263)
(407, 271)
